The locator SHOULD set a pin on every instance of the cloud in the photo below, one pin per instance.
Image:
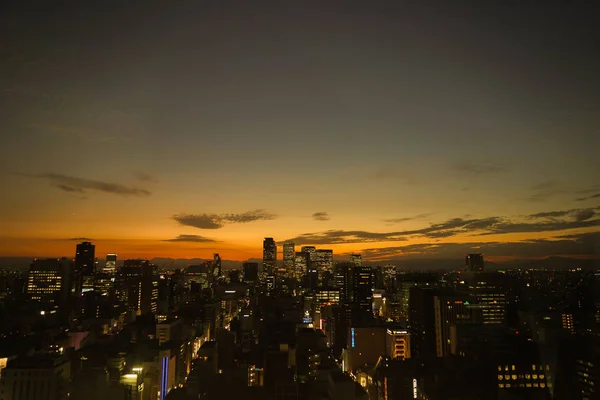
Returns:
(586, 244)
(321, 216)
(406, 219)
(549, 214)
(191, 239)
(217, 221)
(539, 222)
(584, 215)
(71, 184)
(594, 196)
(485, 167)
(144, 177)
(80, 239)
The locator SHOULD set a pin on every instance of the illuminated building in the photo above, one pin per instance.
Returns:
(48, 281)
(111, 264)
(311, 250)
(250, 271)
(137, 285)
(327, 296)
(301, 261)
(363, 285)
(474, 262)
(289, 254)
(567, 323)
(36, 378)
(324, 260)
(269, 255)
(197, 276)
(356, 259)
(397, 342)
(488, 290)
(343, 279)
(256, 376)
(526, 379)
(85, 263)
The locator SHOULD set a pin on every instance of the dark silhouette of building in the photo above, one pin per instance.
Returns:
(474, 262)
(85, 260)
(421, 320)
(269, 255)
(250, 271)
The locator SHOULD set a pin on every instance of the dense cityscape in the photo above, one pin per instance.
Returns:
(299, 200)
(296, 326)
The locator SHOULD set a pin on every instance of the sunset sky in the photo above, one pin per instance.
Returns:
(392, 128)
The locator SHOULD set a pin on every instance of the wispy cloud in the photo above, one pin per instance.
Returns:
(79, 239)
(592, 197)
(321, 216)
(585, 244)
(191, 239)
(540, 222)
(144, 177)
(406, 219)
(71, 184)
(486, 167)
(217, 221)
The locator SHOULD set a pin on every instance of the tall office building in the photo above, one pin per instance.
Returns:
(111, 264)
(474, 262)
(85, 262)
(250, 271)
(451, 309)
(137, 285)
(363, 289)
(269, 255)
(301, 263)
(311, 250)
(48, 281)
(343, 280)
(489, 289)
(421, 321)
(356, 259)
(324, 260)
(289, 254)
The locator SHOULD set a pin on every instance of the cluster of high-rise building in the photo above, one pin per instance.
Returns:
(301, 327)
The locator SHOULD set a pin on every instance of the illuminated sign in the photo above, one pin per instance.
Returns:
(352, 337)
(414, 388)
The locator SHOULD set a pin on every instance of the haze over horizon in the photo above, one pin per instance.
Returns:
(393, 129)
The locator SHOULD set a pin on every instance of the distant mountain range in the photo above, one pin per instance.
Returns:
(414, 264)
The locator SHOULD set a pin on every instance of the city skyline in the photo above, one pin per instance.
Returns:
(384, 129)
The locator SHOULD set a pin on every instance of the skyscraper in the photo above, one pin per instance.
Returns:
(301, 262)
(269, 255)
(363, 285)
(111, 264)
(324, 260)
(250, 271)
(343, 279)
(137, 283)
(474, 262)
(311, 250)
(356, 259)
(289, 253)
(85, 261)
